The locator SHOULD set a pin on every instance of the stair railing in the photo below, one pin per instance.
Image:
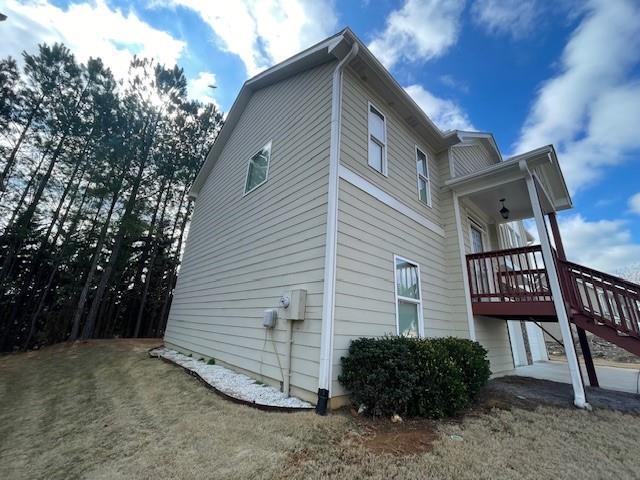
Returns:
(608, 299)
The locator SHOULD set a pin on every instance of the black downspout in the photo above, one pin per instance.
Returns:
(323, 400)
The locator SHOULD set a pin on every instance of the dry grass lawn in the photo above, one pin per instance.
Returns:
(106, 410)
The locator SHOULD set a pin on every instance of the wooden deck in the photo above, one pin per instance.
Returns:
(513, 284)
(510, 284)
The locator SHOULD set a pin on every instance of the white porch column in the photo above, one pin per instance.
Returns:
(517, 343)
(579, 399)
(536, 342)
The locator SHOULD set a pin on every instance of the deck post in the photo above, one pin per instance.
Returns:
(582, 336)
(579, 398)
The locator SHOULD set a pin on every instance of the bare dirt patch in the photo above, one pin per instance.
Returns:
(399, 440)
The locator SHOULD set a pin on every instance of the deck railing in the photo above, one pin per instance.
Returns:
(608, 299)
(511, 275)
(519, 275)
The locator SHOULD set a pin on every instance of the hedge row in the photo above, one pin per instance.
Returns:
(432, 377)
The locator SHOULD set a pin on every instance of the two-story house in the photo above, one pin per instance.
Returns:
(330, 186)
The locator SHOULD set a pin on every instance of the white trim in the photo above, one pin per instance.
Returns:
(426, 178)
(537, 345)
(366, 186)
(516, 340)
(266, 177)
(417, 302)
(331, 243)
(463, 266)
(385, 144)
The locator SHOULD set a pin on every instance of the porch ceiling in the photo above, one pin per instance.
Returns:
(486, 187)
(516, 200)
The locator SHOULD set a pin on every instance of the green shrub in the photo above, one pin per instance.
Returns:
(212, 361)
(433, 377)
(472, 358)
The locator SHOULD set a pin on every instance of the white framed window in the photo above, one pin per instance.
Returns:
(476, 233)
(424, 183)
(377, 140)
(409, 321)
(258, 169)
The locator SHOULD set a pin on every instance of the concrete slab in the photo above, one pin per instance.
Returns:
(530, 393)
(611, 378)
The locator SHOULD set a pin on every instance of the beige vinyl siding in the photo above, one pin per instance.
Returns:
(492, 333)
(370, 233)
(244, 252)
(402, 180)
(470, 158)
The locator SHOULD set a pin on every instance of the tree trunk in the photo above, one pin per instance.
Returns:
(12, 156)
(25, 192)
(147, 283)
(87, 331)
(89, 325)
(152, 259)
(56, 263)
(162, 319)
(77, 316)
(25, 221)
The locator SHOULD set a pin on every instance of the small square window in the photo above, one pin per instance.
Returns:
(258, 169)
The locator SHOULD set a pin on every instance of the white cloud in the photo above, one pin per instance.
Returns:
(516, 18)
(419, 31)
(452, 82)
(591, 109)
(446, 114)
(264, 32)
(88, 29)
(199, 88)
(603, 244)
(634, 203)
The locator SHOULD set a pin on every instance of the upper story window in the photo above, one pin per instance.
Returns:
(258, 169)
(424, 183)
(408, 298)
(377, 140)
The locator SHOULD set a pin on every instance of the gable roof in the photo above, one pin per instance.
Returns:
(365, 64)
(543, 161)
(485, 138)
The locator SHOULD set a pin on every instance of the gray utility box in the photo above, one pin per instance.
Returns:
(297, 305)
(269, 318)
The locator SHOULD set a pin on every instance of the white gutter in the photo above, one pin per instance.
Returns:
(328, 303)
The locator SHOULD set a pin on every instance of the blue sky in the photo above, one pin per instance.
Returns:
(532, 72)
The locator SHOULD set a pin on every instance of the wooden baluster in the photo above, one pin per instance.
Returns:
(587, 295)
(621, 313)
(532, 281)
(608, 302)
